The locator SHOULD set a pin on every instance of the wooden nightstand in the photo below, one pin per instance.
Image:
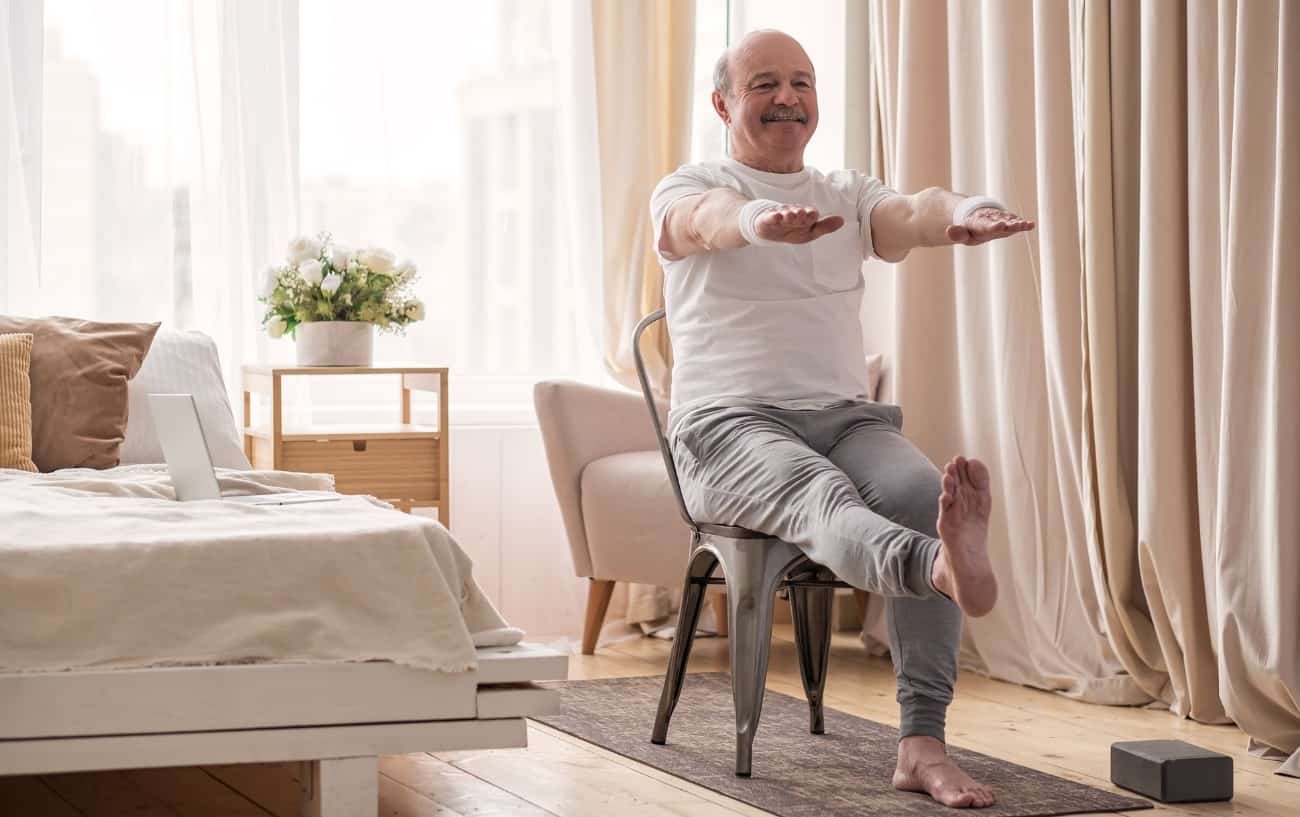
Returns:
(402, 463)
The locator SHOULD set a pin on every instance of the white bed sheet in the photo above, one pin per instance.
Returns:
(104, 570)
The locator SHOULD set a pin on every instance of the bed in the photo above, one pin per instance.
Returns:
(136, 631)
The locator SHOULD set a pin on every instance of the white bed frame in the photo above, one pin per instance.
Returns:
(337, 718)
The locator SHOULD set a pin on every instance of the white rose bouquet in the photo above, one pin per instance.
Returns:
(325, 281)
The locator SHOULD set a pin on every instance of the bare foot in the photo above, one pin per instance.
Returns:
(963, 570)
(924, 766)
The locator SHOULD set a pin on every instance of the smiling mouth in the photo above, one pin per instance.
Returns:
(786, 115)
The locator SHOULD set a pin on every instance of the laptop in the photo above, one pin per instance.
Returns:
(190, 463)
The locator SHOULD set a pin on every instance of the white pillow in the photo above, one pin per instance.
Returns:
(182, 363)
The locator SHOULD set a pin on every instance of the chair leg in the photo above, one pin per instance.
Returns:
(598, 593)
(811, 608)
(701, 566)
(754, 569)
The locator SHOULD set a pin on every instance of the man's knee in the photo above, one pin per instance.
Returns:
(912, 500)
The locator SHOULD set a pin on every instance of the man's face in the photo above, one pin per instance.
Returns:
(771, 107)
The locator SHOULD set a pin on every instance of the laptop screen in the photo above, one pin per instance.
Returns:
(184, 447)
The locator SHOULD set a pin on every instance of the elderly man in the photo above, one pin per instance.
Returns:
(771, 426)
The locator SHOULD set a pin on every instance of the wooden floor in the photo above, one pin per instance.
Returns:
(559, 775)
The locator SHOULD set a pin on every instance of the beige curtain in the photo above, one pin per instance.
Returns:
(644, 62)
(1127, 370)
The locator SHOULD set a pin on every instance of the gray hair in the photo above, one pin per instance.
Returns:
(722, 73)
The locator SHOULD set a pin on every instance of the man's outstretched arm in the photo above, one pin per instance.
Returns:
(899, 224)
(722, 219)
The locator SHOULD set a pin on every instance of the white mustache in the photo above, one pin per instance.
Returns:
(799, 116)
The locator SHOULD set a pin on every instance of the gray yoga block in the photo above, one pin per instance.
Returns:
(1171, 771)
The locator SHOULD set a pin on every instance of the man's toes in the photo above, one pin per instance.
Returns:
(979, 475)
(963, 470)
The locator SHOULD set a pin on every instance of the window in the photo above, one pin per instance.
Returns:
(152, 174)
(105, 164)
(708, 136)
(438, 140)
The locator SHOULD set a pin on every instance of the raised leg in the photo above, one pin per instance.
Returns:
(701, 566)
(811, 610)
(341, 787)
(598, 593)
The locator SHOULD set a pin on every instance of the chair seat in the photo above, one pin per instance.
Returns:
(731, 531)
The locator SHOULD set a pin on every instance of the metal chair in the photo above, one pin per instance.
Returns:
(754, 566)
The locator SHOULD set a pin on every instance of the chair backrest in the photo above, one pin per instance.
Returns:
(648, 394)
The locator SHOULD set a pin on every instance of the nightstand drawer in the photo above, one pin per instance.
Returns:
(388, 469)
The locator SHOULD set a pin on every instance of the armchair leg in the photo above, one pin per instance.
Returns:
(598, 593)
(719, 603)
(860, 596)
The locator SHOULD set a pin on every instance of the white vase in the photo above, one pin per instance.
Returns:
(335, 343)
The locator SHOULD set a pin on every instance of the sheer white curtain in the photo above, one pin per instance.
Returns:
(20, 88)
(158, 156)
(150, 160)
(476, 159)
(243, 193)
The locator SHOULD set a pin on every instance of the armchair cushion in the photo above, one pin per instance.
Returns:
(631, 520)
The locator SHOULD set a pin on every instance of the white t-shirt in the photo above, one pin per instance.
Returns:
(777, 325)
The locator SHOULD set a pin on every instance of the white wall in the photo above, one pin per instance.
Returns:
(505, 516)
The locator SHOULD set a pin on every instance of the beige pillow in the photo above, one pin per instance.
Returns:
(79, 373)
(16, 402)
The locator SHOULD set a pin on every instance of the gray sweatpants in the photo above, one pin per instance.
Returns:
(846, 487)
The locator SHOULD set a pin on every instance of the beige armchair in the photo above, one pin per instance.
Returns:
(618, 507)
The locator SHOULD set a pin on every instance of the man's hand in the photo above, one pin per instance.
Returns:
(986, 224)
(795, 225)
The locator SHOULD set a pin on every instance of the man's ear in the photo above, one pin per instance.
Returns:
(720, 105)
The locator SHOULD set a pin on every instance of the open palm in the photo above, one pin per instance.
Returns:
(795, 225)
(987, 224)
